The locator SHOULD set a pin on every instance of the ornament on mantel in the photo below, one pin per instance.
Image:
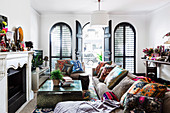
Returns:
(167, 35)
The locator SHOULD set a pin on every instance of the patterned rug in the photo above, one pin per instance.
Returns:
(88, 95)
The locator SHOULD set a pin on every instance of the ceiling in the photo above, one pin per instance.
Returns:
(87, 6)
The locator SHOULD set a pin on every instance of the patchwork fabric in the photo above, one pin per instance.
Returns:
(110, 96)
(61, 63)
(101, 64)
(67, 68)
(147, 79)
(153, 90)
(115, 76)
(77, 67)
(104, 73)
(136, 86)
(142, 104)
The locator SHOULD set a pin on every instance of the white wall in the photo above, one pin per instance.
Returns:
(138, 21)
(158, 24)
(35, 28)
(18, 13)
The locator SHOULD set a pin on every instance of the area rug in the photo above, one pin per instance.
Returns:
(88, 95)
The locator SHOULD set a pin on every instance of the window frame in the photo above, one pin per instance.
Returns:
(61, 36)
(124, 24)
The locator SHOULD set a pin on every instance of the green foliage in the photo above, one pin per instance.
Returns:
(99, 57)
(36, 61)
(56, 74)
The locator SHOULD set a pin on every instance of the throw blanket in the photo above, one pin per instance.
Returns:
(86, 106)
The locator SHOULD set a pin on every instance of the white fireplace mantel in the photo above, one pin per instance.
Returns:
(14, 60)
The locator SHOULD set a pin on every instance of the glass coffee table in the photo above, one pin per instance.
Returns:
(48, 95)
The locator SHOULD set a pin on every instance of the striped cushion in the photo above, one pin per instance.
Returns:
(110, 96)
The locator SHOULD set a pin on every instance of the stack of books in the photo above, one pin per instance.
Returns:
(67, 81)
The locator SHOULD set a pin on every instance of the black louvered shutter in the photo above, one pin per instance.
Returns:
(78, 51)
(125, 46)
(107, 42)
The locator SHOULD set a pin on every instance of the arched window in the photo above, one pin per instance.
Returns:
(60, 43)
(125, 46)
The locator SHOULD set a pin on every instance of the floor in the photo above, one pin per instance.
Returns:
(29, 108)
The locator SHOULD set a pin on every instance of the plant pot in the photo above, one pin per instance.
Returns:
(56, 82)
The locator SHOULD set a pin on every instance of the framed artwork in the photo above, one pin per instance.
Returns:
(3, 24)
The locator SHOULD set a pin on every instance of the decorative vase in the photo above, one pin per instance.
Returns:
(56, 82)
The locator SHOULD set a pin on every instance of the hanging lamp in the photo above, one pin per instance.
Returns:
(99, 18)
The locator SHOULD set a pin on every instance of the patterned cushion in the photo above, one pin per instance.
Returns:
(101, 69)
(153, 90)
(62, 62)
(101, 64)
(136, 86)
(104, 73)
(77, 67)
(147, 79)
(122, 87)
(115, 76)
(142, 104)
(109, 96)
(67, 68)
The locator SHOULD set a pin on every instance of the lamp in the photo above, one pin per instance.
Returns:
(99, 18)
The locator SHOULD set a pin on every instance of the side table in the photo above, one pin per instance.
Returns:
(84, 77)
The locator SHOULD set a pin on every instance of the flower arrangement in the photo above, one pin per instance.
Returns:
(147, 51)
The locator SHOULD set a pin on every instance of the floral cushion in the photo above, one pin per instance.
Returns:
(61, 63)
(104, 73)
(142, 104)
(110, 96)
(136, 86)
(153, 90)
(101, 64)
(115, 76)
(77, 67)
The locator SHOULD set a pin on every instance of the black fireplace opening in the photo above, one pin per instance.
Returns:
(16, 88)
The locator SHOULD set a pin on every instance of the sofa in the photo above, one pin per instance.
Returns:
(74, 76)
(121, 88)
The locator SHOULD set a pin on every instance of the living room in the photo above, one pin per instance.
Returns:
(150, 20)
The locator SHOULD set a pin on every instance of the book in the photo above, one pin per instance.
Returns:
(67, 81)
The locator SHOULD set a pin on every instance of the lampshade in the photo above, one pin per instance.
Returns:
(99, 18)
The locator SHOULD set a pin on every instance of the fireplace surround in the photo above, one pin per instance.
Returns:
(15, 80)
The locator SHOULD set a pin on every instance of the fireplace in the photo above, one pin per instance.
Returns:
(16, 88)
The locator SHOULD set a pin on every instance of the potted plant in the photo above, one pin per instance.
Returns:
(56, 76)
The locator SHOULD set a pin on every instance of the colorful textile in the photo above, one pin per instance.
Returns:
(101, 69)
(67, 68)
(104, 73)
(136, 86)
(61, 63)
(110, 96)
(77, 67)
(147, 79)
(153, 90)
(142, 104)
(115, 76)
(101, 64)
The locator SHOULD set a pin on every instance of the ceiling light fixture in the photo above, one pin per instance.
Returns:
(99, 18)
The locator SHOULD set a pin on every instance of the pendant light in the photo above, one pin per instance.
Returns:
(99, 18)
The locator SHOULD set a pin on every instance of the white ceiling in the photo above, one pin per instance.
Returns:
(87, 6)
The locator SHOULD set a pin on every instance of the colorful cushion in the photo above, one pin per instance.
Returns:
(101, 64)
(115, 76)
(142, 104)
(77, 67)
(61, 63)
(109, 96)
(136, 86)
(153, 90)
(147, 79)
(122, 87)
(101, 69)
(67, 68)
(104, 73)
